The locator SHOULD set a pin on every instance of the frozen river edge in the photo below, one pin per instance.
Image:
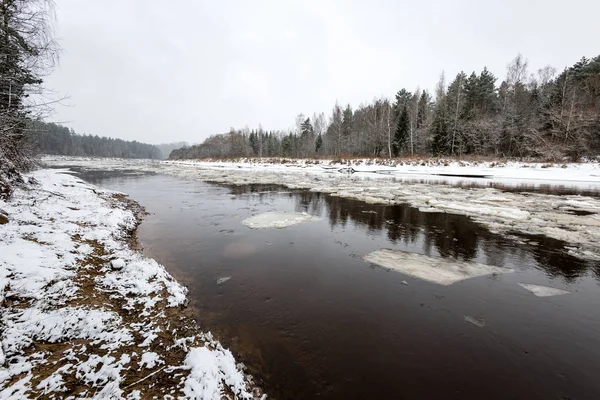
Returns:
(573, 219)
(85, 315)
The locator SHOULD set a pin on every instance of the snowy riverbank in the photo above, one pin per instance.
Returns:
(86, 316)
(573, 219)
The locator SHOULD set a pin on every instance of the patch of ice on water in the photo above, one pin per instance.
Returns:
(442, 271)
(478, 322)
(543, 291)
(277, 219)
(223, 279)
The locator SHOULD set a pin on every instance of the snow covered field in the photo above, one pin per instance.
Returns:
(574, 219)
(86, 316)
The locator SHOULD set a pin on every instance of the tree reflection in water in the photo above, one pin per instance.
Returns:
(448, 235)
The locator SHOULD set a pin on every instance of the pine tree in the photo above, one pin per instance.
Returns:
(254, 145)
(402, 130)
(488, 95)
(472, 97)
(306, 128)
(454, 104)
(318, 143)
(402, 98)
(440, 133)
(423, 109)
(347, 121)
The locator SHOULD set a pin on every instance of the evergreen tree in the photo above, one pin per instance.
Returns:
(347, 121)
(402, 131)
(423, 109)
(253, 139)
(440, 133)
(318, 143)
(402, 98)
(488, 95)
(472, 97)
(455, 103)
(306, 128)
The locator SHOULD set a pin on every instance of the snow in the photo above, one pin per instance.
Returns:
(64, 236)
(442, 271)
(543, 291)
(149, 360)
(207, 369)
(419, 185)
(278, 220)
(117, 264)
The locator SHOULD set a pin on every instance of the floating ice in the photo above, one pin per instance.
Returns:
(478, 322)
(443, 271)
(223, 280)
(543, 291)
(278, 220)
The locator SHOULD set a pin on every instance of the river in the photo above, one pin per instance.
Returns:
(311, 319)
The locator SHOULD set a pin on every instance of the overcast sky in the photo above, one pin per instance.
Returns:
(164, 71)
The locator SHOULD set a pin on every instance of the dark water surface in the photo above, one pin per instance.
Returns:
(311, 319)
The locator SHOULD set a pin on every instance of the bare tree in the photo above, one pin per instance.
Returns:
(27, 53)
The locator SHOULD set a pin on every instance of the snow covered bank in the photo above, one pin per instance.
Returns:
(85, 316)
(574, 219)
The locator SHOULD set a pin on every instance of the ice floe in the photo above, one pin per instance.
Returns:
(278, 220)
(543, 291)
(478, 322)
(438, 270)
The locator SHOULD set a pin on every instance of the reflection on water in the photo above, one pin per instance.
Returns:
(442, 234)
(311, 319)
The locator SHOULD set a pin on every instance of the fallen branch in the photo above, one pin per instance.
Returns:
(146, 377)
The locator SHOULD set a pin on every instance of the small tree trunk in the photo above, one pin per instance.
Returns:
(412, 153)
(455, 115)
(389, 134)
(564, 92)
(570, 116)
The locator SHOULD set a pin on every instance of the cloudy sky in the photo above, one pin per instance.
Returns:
(164, 71)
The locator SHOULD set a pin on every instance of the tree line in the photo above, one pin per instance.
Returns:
(55, 139)
(542, 114)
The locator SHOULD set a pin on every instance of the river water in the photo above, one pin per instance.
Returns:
(311, 319)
